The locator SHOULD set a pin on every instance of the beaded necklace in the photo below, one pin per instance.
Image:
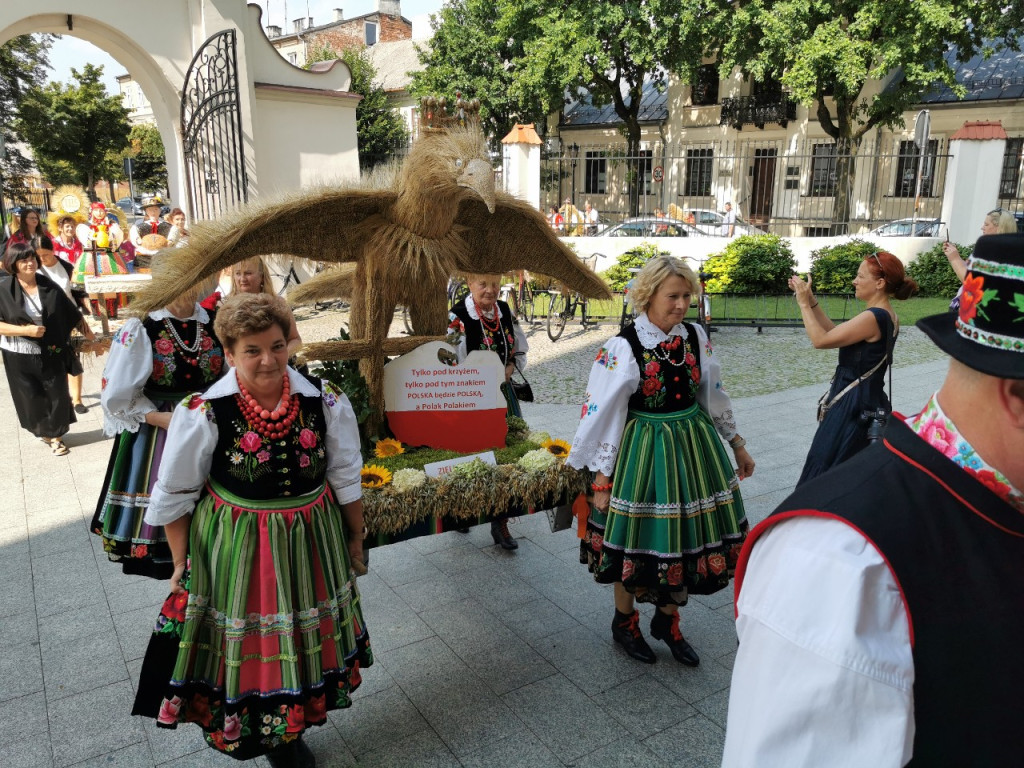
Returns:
(665, 355)
(495, 330)
(193, 348)
(274, 424)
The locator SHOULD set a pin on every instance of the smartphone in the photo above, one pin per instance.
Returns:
(947, 234)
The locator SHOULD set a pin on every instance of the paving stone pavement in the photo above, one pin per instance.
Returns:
(483, 657)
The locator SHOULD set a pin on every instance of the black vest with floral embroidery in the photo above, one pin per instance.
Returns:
(669, 373)
(254, 467)
(175, 370)
(478, 337)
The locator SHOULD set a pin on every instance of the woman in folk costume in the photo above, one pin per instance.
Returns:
(667, 517)
(154, 362)
(29, 228)
(260, 496)
(482, 322)
(100, 240)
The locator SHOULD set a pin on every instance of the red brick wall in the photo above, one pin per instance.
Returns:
(350, 34)
(394, 28)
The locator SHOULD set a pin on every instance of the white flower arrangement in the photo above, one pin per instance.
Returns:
(538, 437)
(537, 461)
(408, 479)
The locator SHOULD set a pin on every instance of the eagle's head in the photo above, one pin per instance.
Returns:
(452, 165)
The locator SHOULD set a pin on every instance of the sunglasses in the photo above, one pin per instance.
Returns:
(996, 212)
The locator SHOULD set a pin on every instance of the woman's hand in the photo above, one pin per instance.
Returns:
(179, 571)
(950, 250)
(159, 419)
(35, 331)
(601, 500)
(355, 553)
(802, 291)
(744, 463)
(509, 370)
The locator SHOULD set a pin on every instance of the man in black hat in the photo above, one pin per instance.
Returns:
(880, 609)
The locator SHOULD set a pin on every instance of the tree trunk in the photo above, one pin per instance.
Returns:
(633, 165)
(846, 174)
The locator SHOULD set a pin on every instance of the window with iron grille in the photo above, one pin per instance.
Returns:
(699, 163)
(1013, 164)
(823, 171)
(596, 174)
(646, 165)
(705, 90)
(906, 169)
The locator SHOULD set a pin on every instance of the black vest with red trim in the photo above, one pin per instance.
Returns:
(956, 550)
(502, 341)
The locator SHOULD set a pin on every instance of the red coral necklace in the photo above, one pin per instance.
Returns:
(274, 424)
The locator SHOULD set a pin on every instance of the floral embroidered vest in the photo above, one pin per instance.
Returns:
(478, 337)
(254, 467)
(176, 371)
(669, 373)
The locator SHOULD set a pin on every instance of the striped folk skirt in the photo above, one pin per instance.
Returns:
(128, 539)
(269, 635)
(675, 524)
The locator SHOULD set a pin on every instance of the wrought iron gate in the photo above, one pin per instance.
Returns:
(211, 126)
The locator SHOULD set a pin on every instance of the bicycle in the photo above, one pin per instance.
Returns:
(563, 306)
(520, 299)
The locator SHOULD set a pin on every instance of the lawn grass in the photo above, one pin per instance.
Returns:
(774, 309)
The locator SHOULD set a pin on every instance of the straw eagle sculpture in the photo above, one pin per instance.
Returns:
(441, 216)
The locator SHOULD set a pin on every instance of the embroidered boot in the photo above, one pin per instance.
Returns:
(665, 627)
(626, 632)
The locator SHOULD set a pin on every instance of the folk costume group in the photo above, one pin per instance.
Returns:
(238, 479)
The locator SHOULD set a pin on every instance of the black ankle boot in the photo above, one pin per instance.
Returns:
(294, 754)
(500, 534)
(626, 632)
(666, 627)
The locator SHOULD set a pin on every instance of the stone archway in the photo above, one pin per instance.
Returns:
(297, 127)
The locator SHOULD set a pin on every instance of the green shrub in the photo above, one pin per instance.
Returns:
(751, 264)
(834, 266)
(618, 274)
(933, 274)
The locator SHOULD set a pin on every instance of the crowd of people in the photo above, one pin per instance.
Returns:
(236, 477)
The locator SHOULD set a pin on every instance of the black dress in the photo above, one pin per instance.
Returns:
(39, 382)
(843, 432)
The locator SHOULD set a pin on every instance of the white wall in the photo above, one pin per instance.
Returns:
(698, 249)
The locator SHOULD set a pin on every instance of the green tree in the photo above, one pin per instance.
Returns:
(23, 65)
(468, 53)
(76, 126)
(146, 149)
(607, 49)
(379, 128)
(832, 53)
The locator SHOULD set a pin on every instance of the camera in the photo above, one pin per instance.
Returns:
(875, 420)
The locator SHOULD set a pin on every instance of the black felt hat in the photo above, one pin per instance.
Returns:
(988, 332)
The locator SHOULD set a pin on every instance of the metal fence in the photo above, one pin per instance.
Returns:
(782, 186)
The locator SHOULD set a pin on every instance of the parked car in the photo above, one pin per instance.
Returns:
(711, 222)
(130, 205)
(650, 226)
(908, 228)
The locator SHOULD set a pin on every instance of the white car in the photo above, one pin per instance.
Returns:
(908, 228)
(651, 226)
(711, 222)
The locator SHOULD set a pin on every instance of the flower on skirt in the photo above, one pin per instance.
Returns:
(169, 709)
(236, 458)
(716, 563)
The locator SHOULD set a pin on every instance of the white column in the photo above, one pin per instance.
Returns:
(972, 183)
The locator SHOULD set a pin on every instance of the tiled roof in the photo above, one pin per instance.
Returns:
(999, 77)
(522, 134)
(653, 109)
(394, 60)
(980, 130)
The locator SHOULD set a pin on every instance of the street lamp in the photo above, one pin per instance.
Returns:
(574, 153)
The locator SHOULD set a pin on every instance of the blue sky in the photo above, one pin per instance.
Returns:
(71, 52)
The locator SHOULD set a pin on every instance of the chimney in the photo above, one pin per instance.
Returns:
(339, 15)
(301, 25)
(273, 31)
(389, 7)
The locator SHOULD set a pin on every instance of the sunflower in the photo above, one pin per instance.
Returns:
(388, 447)
(373, 476)
(559, 448)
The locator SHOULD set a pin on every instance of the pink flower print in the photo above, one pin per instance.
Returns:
(304, 460)
(263, 457)
(232, 728)
(163, 346)
(488, 341)
(307, 438)
(938, 436)
(250, 442)
(652, 368)
(206, 344)
(169, 709)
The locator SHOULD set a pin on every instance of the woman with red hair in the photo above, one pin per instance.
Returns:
(856, 400)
